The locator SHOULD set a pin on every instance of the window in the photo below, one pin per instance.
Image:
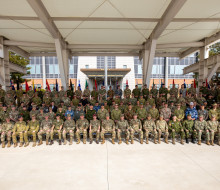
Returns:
(51, 86)
(111, 61)
(124, 66)
(86, 66)
(73, 67)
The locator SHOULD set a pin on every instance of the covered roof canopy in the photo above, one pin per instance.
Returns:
(109, 27)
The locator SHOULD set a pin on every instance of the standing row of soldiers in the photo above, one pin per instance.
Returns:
(141, 112)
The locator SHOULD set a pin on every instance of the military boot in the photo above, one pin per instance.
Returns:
(113, 141)
(166, 140)
(40, 142)
(47, 142)
(207, 142)
(71, 141)
(147, 142)
(193, 141)
(155, 142)
(65, 142)
(127, 141)
(34, 144)
(132, 141)
(51, 142)
(119, 142)
(60, 143)
(90, 142)
(3, 144)
(21, 144)
(15, 144)
(173, 141)
(78, 141)
(141, 141)
(187, 140)
(182, 141)
(199, 142)
(219, 143)
(26, 144)
(159, 141)
(9, 144)
(97, 141)
(212, 142)
(84, 141)
(103, 140)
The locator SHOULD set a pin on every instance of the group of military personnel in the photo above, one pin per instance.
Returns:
(147, 113)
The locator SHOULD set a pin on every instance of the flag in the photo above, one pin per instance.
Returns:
(33, 86)
(173, 83)
(161, 83)
(26, 86)
(184, 83)
(126, 81)
(153, 82)
(103, 82)
(71, 85)
(86, 84)
(18, 85)
(96, 86)
(12, 85)
(194, 84)
(48, 86)
(79, 85)
(57, 87)
(207, 84)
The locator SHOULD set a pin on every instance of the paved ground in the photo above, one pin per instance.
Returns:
(114, 167)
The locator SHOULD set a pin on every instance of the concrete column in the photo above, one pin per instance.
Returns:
(44, 71)
(106, 74)
(166, 71)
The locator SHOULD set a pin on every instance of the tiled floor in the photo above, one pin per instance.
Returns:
(114, 167)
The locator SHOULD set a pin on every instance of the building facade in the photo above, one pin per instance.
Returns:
(120, 70)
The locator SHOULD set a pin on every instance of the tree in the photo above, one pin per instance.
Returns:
(18, 60)
(214, 49)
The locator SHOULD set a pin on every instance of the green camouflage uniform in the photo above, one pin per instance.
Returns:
(56, 100)
(174, 91)
(179, 114)
(19, 130)
(78, 94)
(150, 127)
(37, 101)
(145, 92)
(86, 93)
(129, 114)
(108, 126)
(69, 127)
(6, 130)
(115, 114)
(154, 92)
(102, 114)
(154, 113)
(188, 126)
(214, 112)
(127, 92)
(81, 127)
(95, 94)
(202, 127)
(175, 127)
(162, 127)
(56, 129)
(214, 129)
(136, 93)
(136, 127)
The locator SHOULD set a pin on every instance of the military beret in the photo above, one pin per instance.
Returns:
(94, 115)
(20, 116)
(58, 115)
(102, 104)
(201, 104)
(4, 105)
(79, 105)
(81, 114)
(68, 115)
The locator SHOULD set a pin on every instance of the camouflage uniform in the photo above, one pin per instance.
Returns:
(145, 92)
(192, 90)
(19, 130)
(154, 92)
(179, 113)
(150, 127)
(214, 128)
(66, 100)
(102, 114)
(142, 114)
(115, 114)
(174, 91)
(110, 93)
(95, 94)
(136, 93)
(2, 95)
(204, 113)
(31, 129)
(127, 92)
(37, 101)
(175, 127)
(14, 115)
(162, 127)
(45, 128)
(61, 93)
(56, 130)
(188, 126)
(213, 112)
(81, 127)
(108, 126)
(202, 127)
(86, 93)
(154, 113)
(101, 93)
(166, 112)
(51, 115)
(95, 124)
(6, 130)
(122, 127)
(56, 100)
(136, 127)
(78, 94)
(129, 113)
(69, 127)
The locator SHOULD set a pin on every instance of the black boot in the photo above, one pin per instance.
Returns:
(193, 141)
(60, 142)
(51, 142)
(187, 140)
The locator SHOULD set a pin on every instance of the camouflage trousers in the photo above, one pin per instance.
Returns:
(140, 133)
(190, 132)
(29, 133)
(166, 133)
(200, 132)
(213, 133)
(52, 133)
(66, 131)
(4, 134)
(126, 132)
(103, 132)
(94, 131)
(84, 132)
(42, 132)
(153, 132)
(174, 132)
(20, 134)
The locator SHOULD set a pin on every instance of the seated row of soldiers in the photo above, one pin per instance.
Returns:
(186, 129)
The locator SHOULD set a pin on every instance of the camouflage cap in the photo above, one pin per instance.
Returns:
(189, 114)
(81, 114)
(102, 104)
(107, 115)
(213, 115)
(161, 115)
(200, 115)
(153, 104)
(122, 115)
(46, 115)
(178, 104)
(68, 115)
(58, 115)
(33, 115)
(149, 115)
(135, 114)
(214, 104)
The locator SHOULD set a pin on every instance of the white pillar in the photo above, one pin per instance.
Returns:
(44, 71)
(106, 74)
(166, 71)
